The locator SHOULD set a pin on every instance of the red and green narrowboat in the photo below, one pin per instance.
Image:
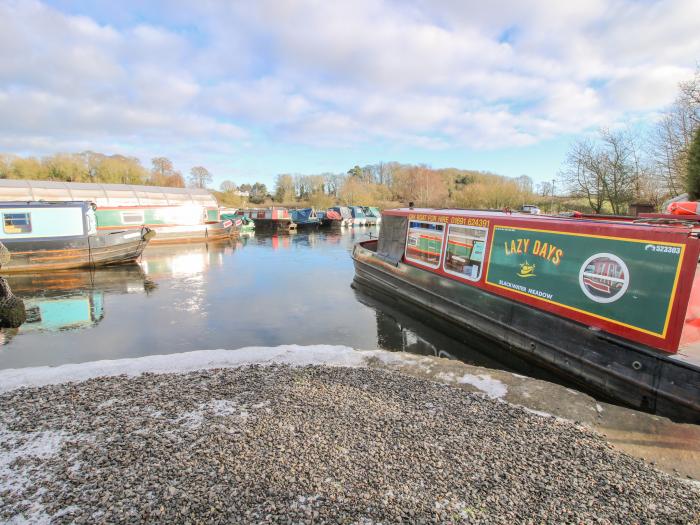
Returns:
(172, 223)
(613, 305)
(276, 218)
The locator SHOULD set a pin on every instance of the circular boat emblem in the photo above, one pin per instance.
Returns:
(604, 277)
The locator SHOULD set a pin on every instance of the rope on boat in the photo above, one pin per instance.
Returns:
(665, 221)
(90, 261)
(12, 312)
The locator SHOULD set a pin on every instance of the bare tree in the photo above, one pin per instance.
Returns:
(333, 183)
(584, 173)
(228, 186)
(162, 166)
(673, 134)
(619, 178)
(524, 183)
(199, 177)
(284, 188)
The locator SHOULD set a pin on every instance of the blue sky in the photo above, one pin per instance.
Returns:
(253, 89)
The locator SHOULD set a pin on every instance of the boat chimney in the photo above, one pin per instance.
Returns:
(410, 205)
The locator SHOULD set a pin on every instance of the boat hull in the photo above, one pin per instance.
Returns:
(309, 224)
(76, 252)
(278, 225)
(335, 224)
(187, 233)
(632, 374)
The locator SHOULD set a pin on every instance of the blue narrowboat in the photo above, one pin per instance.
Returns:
(305, 218)
(59, 235)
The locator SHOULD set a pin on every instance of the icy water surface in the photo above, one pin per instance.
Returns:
(264, 290)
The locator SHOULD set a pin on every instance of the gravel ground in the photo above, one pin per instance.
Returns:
(311, 444)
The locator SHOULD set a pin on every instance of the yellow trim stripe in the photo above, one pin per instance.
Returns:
(669, 307)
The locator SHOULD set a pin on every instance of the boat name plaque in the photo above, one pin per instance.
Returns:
(629, 282)
(466, 221)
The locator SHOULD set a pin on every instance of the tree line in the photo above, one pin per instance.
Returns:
(389, 184)
(97, 167)
(619, 166)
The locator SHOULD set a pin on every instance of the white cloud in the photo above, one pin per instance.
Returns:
(425, 74)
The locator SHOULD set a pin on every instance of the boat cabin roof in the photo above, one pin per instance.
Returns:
(45, 204)
(103, 194)
(677, 224)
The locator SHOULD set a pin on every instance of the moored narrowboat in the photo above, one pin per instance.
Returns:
(358, 216)
(60, 235)
(611, 305)
(305, 218)
(272, 219)
(374, 216)
(172, 223)
(338, 217)
(241, 224)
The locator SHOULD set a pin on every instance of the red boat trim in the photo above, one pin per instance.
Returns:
(671, 235)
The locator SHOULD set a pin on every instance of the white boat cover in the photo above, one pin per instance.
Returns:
(102, 194)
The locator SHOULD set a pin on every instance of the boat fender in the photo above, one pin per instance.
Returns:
(12, 312)
(4, 255)
(148, 234)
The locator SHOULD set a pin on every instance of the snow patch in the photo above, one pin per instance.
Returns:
(295, 355)
(540, 413)
(493, 388)
(23, 445)
(446, 377)
(15, 473)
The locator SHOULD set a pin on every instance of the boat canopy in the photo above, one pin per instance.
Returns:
(392, 241)
(304, 215)
(344, 211)
(357, 212)
(103, 195)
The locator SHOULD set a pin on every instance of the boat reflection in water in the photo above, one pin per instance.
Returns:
(72, 299)
(185, 259)
(405, 328)
(80, 310)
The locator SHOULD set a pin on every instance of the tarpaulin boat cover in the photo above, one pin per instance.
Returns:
(344, 211)
(371, 211)
(357, 212)
(392, 239)
(333, 215)
(304, 215)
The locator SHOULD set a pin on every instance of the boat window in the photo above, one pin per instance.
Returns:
(424, 243)
(464, 255)
(17, 222)
(132, 217)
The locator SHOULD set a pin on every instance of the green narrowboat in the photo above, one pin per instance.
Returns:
(611, 304)
(178, 223)
(241, 224)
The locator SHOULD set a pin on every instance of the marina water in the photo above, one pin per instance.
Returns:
(263, 290)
